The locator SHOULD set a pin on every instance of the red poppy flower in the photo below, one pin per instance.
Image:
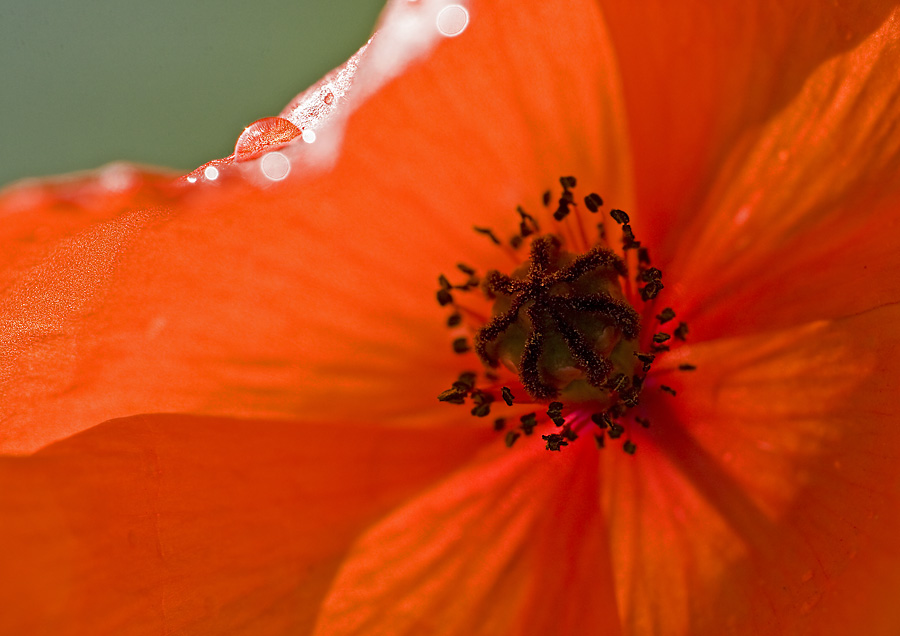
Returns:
(218, 397)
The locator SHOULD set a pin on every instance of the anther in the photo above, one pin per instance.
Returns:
(629, 447)
(499, 423)
(465, 382)
(593, 202)
(444, 297)
(660, 337)
(482, 401)
(460, 345)
(665, 315)
(643, 256)
(529, 421)
(528, 225)
(507, 396)
(642, 421)
(651, 290)
(615, 431)
(682, 331)
(667, 389)
(619, 217)
(487, 232)
(601, 419)
(646, 358)
(453, 396)
(554, 441)
(545, 199)
(454, 319)
(511, 437)
(628, 241)
(686, 367)
(598, 439)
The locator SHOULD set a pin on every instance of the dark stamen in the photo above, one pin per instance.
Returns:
(593, 202)
(598, 439)
(628, 241)
(452, 396)
(651, 290)
(511, 437)
(643, 256)
(665, 315)
(660, 337)
(554, 441)
(686, 367)
(454, 319)
(619, 216)
(601, 419)
(629, 447)
(642, 421)
(444, 297)
(529, 421)
(507, 396)
(499, 423)
(460, 345)
(487, 232)
(682, 331)
(667, 389)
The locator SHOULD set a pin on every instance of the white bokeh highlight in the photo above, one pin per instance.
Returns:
(275, 166)
(452, 20)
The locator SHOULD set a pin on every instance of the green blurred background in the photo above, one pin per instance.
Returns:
(168, 82)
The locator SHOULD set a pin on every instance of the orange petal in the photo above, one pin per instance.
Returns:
(181, 524)
(698, 77)
(765, 497)
(801, 222)
(316, 294)
(513, 544)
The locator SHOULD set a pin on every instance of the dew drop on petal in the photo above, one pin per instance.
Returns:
(275, 166)
(452, 20)
(309, 135)
(192, 179)
(329, 98)
(211, 173)
(263, 133)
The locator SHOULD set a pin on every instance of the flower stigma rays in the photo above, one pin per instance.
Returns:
(275, 166)
(452, 20)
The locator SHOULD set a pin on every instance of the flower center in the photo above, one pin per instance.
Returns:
(562, 327)
(561, 323)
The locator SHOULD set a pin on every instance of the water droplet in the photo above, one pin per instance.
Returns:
(211, 173)
(261, 135)
(192, 179)
(329, 98)
(452, 20)
(275, 166)
(309, 135)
